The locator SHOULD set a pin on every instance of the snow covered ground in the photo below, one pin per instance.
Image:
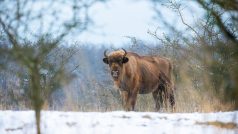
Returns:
(119, 122)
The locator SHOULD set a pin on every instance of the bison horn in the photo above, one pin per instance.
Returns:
(105, 53)
(125, 52)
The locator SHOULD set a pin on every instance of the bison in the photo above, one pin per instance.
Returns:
(134, 74)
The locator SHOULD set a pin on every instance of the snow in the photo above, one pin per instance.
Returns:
(117, 122)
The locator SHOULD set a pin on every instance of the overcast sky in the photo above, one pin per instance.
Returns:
(119, 18)
(115, 19)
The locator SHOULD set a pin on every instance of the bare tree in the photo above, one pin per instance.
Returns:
(35, 28)
(210, 46)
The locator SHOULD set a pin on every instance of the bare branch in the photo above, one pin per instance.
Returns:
(219, 21)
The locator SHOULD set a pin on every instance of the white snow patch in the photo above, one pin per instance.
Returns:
(118, 122)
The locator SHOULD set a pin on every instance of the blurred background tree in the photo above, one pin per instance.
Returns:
(209, 47)
(31, 31)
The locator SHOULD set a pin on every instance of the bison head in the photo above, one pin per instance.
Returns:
(115, 59)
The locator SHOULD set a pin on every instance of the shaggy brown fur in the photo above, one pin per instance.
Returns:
(134, 74)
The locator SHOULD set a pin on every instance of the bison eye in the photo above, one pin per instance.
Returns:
(119, 60)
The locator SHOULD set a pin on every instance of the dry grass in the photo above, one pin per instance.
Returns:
(189, 100)
(228, 125)
(194, 93)
(187, 97)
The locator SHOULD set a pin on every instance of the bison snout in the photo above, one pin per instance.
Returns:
(115, 74)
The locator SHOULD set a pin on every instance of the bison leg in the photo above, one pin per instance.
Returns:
(169, 97)
(172, 101)
(161, 97)
(124, 96)
(156, 99)
(166, 99)
(130, 104)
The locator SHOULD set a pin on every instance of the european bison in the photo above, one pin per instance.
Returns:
(134, 74)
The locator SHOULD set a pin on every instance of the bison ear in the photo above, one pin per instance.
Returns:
(105, 60)
(125, 60)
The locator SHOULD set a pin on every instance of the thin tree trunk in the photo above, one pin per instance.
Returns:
(36, 94)
(38, 120)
